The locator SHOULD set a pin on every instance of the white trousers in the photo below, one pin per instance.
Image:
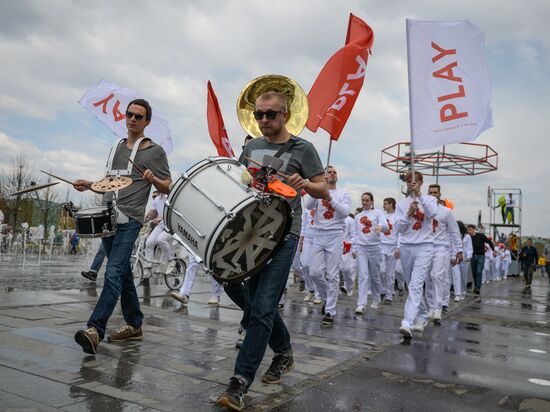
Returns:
(348, 267)
(190, 275)
(157, 237)
(465, 269)
(487, 269)
(326, 253)
(305, 260)
(447, 288)
(457, 279)
(504, 268)
(416, 261)
(368, 263)
(437, 279)
(387, 274)
(296, 264)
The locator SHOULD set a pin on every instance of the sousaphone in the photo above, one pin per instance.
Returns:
(296, 98)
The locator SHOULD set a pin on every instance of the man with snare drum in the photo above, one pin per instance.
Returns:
(265, 325)
(131, 202)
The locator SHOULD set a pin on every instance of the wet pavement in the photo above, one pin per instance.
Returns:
(489, 353)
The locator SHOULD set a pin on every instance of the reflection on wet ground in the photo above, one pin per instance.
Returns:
(490, 352)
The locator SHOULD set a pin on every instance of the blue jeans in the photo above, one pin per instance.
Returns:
(98, 259)
(238, 292)
(265, 325)
(477, 263)
(119, 281)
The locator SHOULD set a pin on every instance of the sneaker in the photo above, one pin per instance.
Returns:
(343, 290)
(401, 292)
(88, 339)
(328, 320)
(360, 309)
(309, 295)
(387, 301)
(430, 314)
(444, 309)
(436, 317)
(302, 286)
(419, 327)
(180, 297)
(457, 299)
(233, 397)
(405, 331)
(90, 275)
(317, 300)
(240, 340)
(214, 300)
(476, 291)
(350, 292)
(127, 332)
(375, 304)
(281, 363)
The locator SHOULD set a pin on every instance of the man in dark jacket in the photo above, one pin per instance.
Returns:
(529, 258)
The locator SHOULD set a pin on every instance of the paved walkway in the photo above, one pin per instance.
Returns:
(490, 353)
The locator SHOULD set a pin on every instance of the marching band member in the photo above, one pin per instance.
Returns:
(367, 249)
(413, 220)
(447, 251)
(131, 203)
(328, 235)
(348, 264)
(306, 242)
(390, 251)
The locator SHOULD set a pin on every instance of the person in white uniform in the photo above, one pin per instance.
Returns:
(367, 248)
(505, 260)
(413, 221)
(157, 237)
(390, 252)
(305, 244)
(487, 264)
(348, 264)
(447, 252)
(328, 236)
(462, 270)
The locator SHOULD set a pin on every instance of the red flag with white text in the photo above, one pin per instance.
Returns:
(216, 127)
(337, 87)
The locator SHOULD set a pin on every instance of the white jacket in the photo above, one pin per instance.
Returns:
(390, 236)
(446, 232)
(416, 229)
(329, 216)
(364, 233)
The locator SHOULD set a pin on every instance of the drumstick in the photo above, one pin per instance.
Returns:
(60, 178)
(135, 165)
(261, 165)
(68, 181)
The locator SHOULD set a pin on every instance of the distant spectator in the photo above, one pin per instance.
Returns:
(74, 243)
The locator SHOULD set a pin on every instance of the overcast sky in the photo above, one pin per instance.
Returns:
(53, 51)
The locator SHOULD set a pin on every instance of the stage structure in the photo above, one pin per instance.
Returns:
(474, 159)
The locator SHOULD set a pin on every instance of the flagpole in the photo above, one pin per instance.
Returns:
(329, 151)
(410, 105)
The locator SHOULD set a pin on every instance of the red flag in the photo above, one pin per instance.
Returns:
(216, 128)
(337, 87)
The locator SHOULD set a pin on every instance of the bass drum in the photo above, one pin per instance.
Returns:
(229, 227)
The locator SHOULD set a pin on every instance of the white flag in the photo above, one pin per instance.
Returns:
(107, 102)
(449, 84)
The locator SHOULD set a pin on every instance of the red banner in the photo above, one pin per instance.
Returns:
(337, 87)
(216, 127)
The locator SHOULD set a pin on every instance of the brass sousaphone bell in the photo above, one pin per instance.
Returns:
(296, 98)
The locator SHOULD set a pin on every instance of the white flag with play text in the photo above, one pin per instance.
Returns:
(108, 101)
(449, 83)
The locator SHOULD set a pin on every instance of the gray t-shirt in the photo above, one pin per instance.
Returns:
(133, 199)
(301, 158)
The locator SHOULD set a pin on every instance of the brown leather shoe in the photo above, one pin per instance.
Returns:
(127, 332)
(88, 339)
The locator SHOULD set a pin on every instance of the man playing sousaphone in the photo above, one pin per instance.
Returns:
(130, 202)
(264, 324)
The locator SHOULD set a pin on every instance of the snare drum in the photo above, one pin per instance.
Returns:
(97, 221)
(230, 227)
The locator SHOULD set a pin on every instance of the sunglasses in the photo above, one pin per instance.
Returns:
(136, 116)
(270, 114)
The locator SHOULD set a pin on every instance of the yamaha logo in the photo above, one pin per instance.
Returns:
(187, 236)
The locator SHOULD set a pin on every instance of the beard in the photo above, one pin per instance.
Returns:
(270, 131)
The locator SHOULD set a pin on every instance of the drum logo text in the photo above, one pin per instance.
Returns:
(188, 236)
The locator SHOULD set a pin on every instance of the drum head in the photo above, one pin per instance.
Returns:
(250, 239)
